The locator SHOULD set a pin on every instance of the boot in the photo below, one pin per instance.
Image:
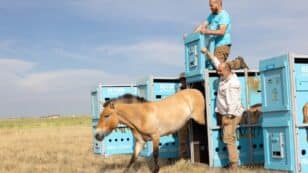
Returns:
(232, 165)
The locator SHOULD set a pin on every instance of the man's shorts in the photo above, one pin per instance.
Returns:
(222, 52)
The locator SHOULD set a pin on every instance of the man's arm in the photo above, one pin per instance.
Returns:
(210, 56)
(221, 31)
(201, 26)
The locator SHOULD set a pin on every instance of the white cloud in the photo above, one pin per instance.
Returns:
(155, 51)
(60, 91)
(66, 80)
(140, 10)
(10, 65)
(68, 54)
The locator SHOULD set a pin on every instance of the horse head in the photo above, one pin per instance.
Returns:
(108, 121)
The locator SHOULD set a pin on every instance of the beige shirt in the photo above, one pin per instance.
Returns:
(228, 101)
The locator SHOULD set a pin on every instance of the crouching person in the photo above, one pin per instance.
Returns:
(228, 106)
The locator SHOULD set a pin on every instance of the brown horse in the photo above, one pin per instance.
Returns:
(150, 120)
(126, 98)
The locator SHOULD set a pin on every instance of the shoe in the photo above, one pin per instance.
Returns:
(231, 166)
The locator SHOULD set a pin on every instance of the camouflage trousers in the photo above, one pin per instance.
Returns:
(222, 53)
(229, 125)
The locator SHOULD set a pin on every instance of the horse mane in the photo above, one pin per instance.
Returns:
(126, 98)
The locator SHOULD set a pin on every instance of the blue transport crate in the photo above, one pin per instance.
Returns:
(97, 145)
(285, 94)
(257, 145)
(249, 135)
(253, 85)
(154, 89)
(104, 93)
(168, 147)
(220, 153)
(119, 141)
(95, 105)
(195, 61)
(245, 133)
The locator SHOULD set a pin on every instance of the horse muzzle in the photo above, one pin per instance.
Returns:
(99, 135)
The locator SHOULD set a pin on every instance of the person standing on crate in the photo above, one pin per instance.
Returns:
(218, 24)
(228, 105)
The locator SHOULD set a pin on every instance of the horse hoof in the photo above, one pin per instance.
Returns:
(156, 170)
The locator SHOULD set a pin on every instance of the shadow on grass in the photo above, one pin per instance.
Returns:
(146, 164)
(162, 162)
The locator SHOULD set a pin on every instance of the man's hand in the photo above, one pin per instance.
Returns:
(211, 57)
(199, 27)
(205, 51)
(204, 31)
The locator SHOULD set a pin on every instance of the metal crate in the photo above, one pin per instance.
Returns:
(195, 61)
(120, 140)
(249, 135)
(154, 89)
(285, 93)
(104, 93)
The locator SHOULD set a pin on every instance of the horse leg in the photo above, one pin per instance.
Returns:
(198, 115)
(198, 110)
(155, 140)
(138, 147)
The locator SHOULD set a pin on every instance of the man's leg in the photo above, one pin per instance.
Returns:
(229, 138)
(222, 53)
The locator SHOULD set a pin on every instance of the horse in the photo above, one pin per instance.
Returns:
(126, 98)
(150, 120)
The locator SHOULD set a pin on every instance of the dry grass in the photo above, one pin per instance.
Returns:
(61, 147)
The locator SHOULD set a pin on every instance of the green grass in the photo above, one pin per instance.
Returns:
(44, 122)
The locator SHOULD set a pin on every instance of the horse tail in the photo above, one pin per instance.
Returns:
(198, 107)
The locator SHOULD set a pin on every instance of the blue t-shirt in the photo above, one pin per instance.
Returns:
(215, 20)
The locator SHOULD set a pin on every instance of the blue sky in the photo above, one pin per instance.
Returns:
(52, 53)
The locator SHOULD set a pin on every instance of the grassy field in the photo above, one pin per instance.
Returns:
(64, 145)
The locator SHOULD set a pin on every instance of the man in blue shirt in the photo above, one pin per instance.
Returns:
(218, 24)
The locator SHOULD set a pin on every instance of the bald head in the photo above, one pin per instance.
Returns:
(215, 5)
(224, 69)
(216, 1)
(226, 66)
